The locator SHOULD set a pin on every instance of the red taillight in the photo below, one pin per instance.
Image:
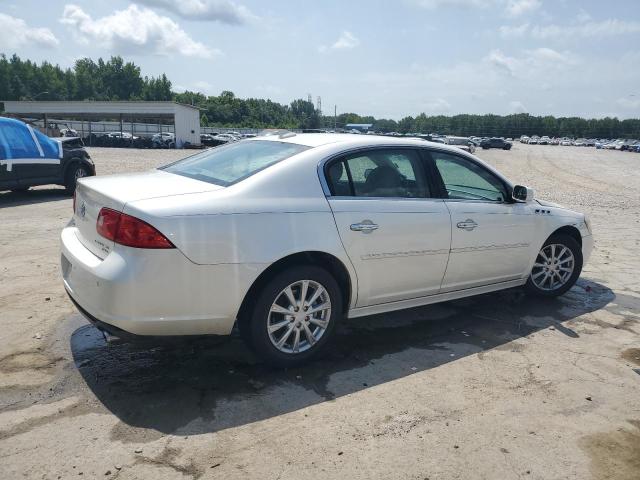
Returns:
(130, 231)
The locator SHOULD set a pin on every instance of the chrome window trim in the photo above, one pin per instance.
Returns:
(396, 199)
(325, 186)
(466, 155)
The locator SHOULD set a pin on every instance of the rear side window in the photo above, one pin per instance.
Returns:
(379, 173)
(234, 162)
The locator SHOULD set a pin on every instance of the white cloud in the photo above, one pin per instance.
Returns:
(583, 16)
(203, 86)
(537, 60)
(516, 8)
(502, 62)
(631, 102)
(15, 33)
(544, 80)
(605, 28)
(346, 41)
(511, 8)
(439, 105)
(514, 31)
(433, 4)
(134, 30)
(223, 11)
(516, 106)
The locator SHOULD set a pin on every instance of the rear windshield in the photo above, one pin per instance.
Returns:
(231, 163)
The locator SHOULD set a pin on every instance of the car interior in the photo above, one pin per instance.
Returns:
(378, 174)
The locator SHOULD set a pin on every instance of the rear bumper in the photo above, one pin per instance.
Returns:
(153, 292)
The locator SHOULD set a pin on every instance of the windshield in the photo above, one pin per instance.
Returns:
(231, 163)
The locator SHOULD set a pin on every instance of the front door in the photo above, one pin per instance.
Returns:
(396, 235)
(28, 160)
(491, 236)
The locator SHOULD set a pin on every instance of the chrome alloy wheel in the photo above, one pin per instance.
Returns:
(299, 316)
(553, 268)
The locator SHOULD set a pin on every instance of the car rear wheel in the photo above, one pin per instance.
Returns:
(557, 267)
(294, 316)
(76, 172)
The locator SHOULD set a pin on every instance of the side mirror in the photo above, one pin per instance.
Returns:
(523, 194)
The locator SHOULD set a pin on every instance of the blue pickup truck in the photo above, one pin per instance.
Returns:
(29, 158)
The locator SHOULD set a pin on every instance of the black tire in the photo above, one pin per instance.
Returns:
(76, 170)
(254, 326)
(576, 250)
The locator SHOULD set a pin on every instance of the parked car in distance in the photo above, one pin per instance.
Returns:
(163, 140)
(29, 158)
(462, 143)
(174, 251)
(496, 142)
(212, 140)
(534, 140)
(227, 137)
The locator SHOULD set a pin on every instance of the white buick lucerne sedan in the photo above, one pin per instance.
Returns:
(285, 235)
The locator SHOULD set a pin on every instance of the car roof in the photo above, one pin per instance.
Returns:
(347, 140)
(11, 121)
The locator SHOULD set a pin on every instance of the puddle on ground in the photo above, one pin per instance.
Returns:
(632, 355)
(616, 454)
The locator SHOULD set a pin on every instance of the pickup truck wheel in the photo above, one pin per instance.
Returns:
(76, 172)
(294, 316)
(556, 268)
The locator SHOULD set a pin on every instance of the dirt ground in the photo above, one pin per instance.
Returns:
(499, 386)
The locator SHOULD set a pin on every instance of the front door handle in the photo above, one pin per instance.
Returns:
(365, 226)
(467, 225)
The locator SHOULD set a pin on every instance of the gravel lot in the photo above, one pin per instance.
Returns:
(498, 386)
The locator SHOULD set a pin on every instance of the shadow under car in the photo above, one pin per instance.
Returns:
(191, 385)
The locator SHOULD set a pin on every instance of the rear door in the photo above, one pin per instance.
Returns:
(491, 236)
(396, 235)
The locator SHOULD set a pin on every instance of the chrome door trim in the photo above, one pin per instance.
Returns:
(435, 298)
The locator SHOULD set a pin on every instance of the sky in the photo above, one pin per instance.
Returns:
(383, 58)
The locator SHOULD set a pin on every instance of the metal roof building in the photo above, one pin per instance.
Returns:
(363, 127)
(185, 118)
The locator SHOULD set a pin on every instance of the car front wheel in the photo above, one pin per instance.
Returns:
(294, 316)
(76, 172)
(557, 267)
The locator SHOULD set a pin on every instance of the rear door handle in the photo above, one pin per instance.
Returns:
(467, 225)
(365, 226)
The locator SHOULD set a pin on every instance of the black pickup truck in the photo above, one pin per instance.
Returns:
(29, 158)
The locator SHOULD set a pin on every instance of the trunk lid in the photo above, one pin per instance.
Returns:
(115, 191)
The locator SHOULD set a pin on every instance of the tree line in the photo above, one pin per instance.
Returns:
(87, 80)
(115, 79)
(489, 125)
